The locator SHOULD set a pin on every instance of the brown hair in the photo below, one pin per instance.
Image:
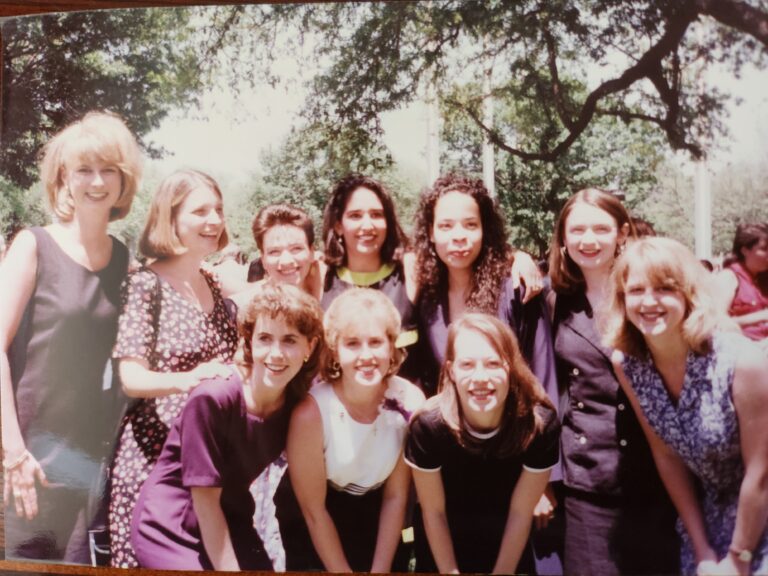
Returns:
(520, 422)
(746, 236)
(299, 310)
(395, 241)
(349, 308)
(101, 135)
(281, 215)
(565, 274)
(668, 263)
(159, 239)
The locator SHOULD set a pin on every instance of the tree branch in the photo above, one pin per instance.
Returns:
(557, 87)
(738, 15)
(648, 63)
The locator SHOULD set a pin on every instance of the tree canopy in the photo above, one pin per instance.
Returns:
(137, 63)
(377, 57)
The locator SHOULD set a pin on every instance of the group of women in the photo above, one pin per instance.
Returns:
(426, 385)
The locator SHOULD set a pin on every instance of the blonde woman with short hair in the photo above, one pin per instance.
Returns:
(60, 289)
(345, 443)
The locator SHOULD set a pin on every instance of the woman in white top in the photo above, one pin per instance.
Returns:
(345, 441)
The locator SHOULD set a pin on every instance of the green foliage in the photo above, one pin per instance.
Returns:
(19, 208)
(739, 195)
(532, 193)
(304, 169)
(139, 63)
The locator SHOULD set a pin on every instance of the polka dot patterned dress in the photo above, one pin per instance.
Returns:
(185, 337)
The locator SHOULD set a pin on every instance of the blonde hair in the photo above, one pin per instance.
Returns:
(664, 262)
(349, 308)
(159, 239)
(100, 135)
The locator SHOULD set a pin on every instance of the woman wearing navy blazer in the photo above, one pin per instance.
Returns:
(618, 517)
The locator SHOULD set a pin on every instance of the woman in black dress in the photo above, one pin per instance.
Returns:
(481, 452)
(60, 289)
(619, 519)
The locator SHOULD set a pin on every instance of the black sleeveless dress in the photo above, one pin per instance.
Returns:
(58, 362)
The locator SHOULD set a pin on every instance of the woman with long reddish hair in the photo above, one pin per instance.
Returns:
(481, 452)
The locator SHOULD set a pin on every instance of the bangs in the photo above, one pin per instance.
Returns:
(90, 146)
(661, 268)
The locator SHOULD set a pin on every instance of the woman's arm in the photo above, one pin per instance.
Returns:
(431, 493)
(529, 488)
(17, 284)
(392, 516)
(750, 397)
(306, 466)
(525, 270)
(139, 381)
(674, 474)
(214, 530)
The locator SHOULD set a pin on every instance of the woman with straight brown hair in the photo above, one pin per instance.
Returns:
(175, 330)
(481, 453)
(618, 519)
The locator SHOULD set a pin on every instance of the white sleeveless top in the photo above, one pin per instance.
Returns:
(360, 457)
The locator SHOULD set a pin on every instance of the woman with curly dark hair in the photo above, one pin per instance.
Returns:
(463, 263)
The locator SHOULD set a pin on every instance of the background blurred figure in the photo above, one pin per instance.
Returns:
(743, 282)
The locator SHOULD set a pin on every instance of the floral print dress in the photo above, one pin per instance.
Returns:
(185, 338)
(703, 429)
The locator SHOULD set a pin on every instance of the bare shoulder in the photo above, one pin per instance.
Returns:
(750, 381)
(306, 413)
(21, 259)
(407, 392)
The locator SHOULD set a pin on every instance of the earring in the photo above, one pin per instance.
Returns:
(563, 251)
(334, 370)
(619, 249)
(306, 359)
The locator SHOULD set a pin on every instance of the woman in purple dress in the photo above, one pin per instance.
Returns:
(59, 288)
(195, 511)
(175, 330)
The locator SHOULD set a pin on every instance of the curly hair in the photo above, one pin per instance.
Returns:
(492, 265)
(299, 310)
(395, 242)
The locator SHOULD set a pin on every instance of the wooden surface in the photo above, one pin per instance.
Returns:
(17, 8)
